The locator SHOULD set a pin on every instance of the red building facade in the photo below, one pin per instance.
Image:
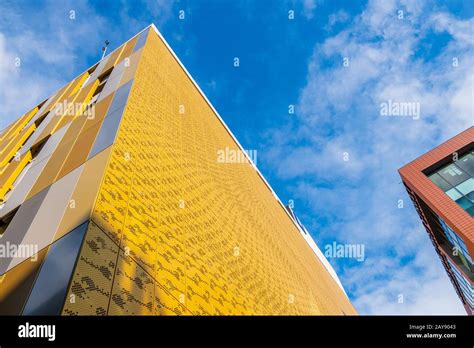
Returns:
(441, 186)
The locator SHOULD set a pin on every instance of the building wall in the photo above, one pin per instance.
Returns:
(174, 231)
(52, 160)
(132, 212)
(425, 192)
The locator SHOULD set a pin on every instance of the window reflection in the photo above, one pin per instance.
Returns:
(457, 180)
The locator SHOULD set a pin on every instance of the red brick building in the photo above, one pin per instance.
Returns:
(441, 186)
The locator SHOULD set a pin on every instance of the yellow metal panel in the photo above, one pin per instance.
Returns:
(73, 131)
(58, 114)
(80, 150)
(211, 235)
(11, 173)
(84, 195)
(6, 135)
(77, 84)
(165, 304)
(59, 96)
(98, 112)
(89, 293)
(15, 144)
(127, 49)
(113, 58)
(81, 100)
(55, 163)
(16, 127)
(10, 136)
(16, 284)
(173, 231)
(71, 108)
(90, 126)
(50, 171)
(130, 70)
(133, 289)
(85, 95)
(109, 217)
(70, 89)
(8, 129)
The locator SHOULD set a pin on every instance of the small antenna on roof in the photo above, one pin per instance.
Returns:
(104, 48)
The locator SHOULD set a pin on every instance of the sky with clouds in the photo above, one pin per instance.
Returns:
(336, 157)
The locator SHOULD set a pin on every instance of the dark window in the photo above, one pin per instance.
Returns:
(467, 163)
(36, 149)
(457, 181)
(105, 76)
(5, 221)
(92, 69)
(453, 174)
(440, 182)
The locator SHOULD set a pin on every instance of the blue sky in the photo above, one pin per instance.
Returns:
(295, 62)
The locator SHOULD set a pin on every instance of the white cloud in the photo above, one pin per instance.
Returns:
(340, 16)
(49, 47)
(339, 110)
(16, 96)
(406, 292)
(309, 6)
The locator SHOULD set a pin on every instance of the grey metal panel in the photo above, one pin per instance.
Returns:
(120, 97)
(41, 110)
(141, 40)
(109, 127)
(118, 70)
(22, 188)
(51, 144)
(19, 226)
(113, 81)
(36, 133)
(48, 217)
(107, 132)
(50, 288)
(109, 88)
(98, 71)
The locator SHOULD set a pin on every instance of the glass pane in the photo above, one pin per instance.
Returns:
(466, 187)
(471, 210)
(440, 182)
(49, 291)
(463, 260)
(447, 231)
(467, 163)
(468, 257)
(470, 196)
(454, 194)
(141, 40)
(464, 203)
(453, 174)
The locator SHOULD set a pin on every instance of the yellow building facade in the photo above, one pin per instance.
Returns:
(115, 185)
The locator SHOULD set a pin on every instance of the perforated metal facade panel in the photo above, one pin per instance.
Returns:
(172, 230)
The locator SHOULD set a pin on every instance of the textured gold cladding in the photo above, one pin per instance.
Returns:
(195, 236)
(89, 292)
